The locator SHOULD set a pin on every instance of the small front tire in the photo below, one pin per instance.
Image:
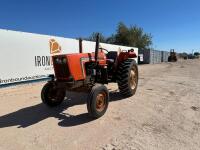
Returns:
(51, 95)
(98, 100)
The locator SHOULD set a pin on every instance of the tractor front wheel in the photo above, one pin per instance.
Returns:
(127, 77)
(97, 102)
(51, 95)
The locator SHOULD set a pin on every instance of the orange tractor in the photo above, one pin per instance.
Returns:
(89, 72)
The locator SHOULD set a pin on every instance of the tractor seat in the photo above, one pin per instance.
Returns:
(111, 56)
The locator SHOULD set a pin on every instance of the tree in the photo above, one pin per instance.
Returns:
(111, 39)
(121, 37)
(93, 36)
(196, 53)
(132, 36)
(183, 55)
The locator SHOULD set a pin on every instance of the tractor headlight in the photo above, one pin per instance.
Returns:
(64, 60)
(58, 61)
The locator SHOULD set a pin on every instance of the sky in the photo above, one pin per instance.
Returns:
(174, 24)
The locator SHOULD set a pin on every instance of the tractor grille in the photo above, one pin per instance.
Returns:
(61, 67)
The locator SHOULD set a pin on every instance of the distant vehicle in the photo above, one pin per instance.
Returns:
(185, 57)
(172, 57)
(196, 54)
(191, 56)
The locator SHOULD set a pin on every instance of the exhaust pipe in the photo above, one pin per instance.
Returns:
(97, 48)
(80, 45)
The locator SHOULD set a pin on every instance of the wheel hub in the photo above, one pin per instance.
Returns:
(100, 102)
(133, 78)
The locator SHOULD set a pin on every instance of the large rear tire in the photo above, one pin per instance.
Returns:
(97, 102)
(51, 95)
(127, 77)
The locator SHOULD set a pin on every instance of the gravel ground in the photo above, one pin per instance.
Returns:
(164, 114)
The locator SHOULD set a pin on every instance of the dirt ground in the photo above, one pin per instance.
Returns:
(164, 114)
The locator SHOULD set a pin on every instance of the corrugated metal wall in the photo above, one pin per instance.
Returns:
(153, 56)
(165, 56)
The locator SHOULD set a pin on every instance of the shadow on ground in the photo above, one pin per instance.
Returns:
(31, 115)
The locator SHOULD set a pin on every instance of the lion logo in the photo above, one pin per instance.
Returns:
(54, 46)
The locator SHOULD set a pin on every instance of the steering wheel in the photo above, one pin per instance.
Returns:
(103, 49)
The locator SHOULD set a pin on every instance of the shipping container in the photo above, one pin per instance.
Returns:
(165, 56)
(146, 56)
(152, 56)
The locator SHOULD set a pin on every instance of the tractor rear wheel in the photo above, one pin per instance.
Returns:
(51, 95)
(97, 102)
(127, 77)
